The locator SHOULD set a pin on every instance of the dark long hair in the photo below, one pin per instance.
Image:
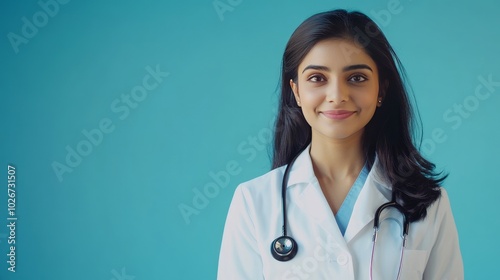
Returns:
(388, 135)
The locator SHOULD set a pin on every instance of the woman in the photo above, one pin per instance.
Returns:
(344, 131)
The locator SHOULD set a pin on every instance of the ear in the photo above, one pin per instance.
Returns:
(295, 90)
(382, 92)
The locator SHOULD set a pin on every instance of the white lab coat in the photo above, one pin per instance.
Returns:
(255, 219)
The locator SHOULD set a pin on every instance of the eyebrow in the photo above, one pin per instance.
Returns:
(357, 66)
(345, 69)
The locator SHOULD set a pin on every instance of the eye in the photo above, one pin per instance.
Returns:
(316, 78)
(357, 78)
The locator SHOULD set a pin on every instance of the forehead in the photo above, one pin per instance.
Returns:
(336, 54)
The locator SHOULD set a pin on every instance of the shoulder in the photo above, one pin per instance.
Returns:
(265, 184)
(256, 200)
(439, 213)
(441, 206)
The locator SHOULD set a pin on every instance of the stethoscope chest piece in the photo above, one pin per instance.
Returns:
(284, 248)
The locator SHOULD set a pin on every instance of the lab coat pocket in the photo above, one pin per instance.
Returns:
(414, 263)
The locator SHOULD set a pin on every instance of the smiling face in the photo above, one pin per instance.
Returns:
(337, 88)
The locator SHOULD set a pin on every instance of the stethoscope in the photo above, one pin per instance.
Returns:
(284, 248)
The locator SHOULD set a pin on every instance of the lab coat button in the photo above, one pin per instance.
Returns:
(342, 259)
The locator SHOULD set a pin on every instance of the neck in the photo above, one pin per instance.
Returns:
(337, 159)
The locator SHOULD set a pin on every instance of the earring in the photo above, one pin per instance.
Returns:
(379, 103)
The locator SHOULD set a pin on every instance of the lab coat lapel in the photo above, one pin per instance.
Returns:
(375, 192)
(308, 196)
(313, 203)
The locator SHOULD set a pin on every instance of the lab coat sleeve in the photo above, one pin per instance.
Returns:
(445, 259)
(239, 257)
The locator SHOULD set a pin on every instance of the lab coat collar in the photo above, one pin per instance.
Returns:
(375, 192)
(310, 198)
(302, 169)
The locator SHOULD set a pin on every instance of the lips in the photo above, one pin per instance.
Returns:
(338, 114)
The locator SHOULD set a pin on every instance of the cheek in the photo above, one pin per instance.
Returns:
(310, 100)
(309, 106)
(368, 104)
(366, 100)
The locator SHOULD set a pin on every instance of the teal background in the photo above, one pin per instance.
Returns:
(116, 215)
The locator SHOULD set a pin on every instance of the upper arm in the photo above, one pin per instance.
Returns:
(445, 259)
(239, 257)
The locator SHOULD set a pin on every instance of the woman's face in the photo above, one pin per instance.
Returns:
(337, 88)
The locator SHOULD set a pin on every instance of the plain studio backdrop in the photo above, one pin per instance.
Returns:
(130, 124)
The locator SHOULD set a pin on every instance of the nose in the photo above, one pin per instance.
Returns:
(336, 92)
